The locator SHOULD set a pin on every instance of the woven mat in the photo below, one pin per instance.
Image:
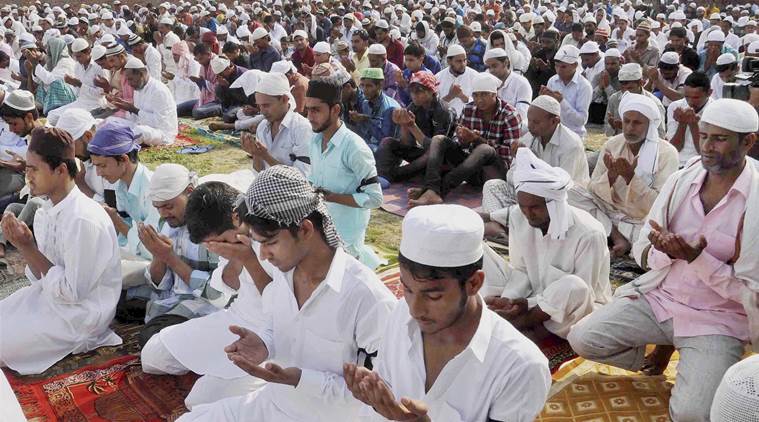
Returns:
(395, 199)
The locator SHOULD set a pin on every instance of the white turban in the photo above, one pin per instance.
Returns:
(535, 176)
(274, 84)
(649, 151)
(169, 181)
(76, 122)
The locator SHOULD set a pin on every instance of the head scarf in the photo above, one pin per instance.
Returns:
(113, 138)
(535, 176)
(169, 181)
(649, 151)
(210, 38)
(56, 50)
(282, 194)
(185, 58)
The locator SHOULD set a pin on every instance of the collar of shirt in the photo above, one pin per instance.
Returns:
(741, 186)
(53, 209)
(336, 139)
(137, 186)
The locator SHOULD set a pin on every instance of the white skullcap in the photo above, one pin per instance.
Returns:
(166, 21)
(378, 49)
(242, 32)
(589, 19)
(274, 84)
(222, 30)
(300, 33)
(455, 50)
(724, 113)
(725, 58)
(535, 176)
(219, 64)
(547, 104)
(630, 72)
(613, 52)
(716, 36)
(715, 16)
(567, 54)
(590, 47)
(98, 52)
(382, 24)
(134, 63)
(123, 30)
(248, 81)
(20, 99)
(525, 17)
(670, 57)
(655, 25)
(107, 39)
(753, 48)
(737, 397)
(649, 151)
(485, 82)
(283, 66)
(494, 53)
(475, 27)
(75, 121)
(106, 16)
(79, 44)
(73, 21)
(169, 181)
(442, 235)
(259, 33)
(322, 47)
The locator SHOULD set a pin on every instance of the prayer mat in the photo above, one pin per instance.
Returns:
(395, 199)
(596, 397)
(197, 130)
(116, 390)
(556, 349)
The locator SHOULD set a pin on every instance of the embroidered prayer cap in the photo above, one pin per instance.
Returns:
(726, 58)
(425, 79)
(737, 397)
(372, 73)
(222, 30)
(169, 181)
(630, 72)
(455, 50)
(134, 63)
(547, 104)
(274, 84)
(644, 26)
(716, 36)
(133, 40)
(282, 194)
(115, 137)
(98, 52)
(485, 82)
(568, 54)
(242, 32)
(20, 99)
(443, 236)
(114, 49)
(378, 49)
(731, 114)
(259, 33)
(613, 52)
(52, 142)
(219, 64)
(323, 47)
(535, 176)
(590, 47)
(76, 122)
(300, 33)
(79, 44)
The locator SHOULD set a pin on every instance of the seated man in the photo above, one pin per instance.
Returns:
(425, 118)
(73, 296)
(153, 113)
(231, 100)
(444, 355)
(12, 143)
(570, 89)
(198, 344)
(683, 116)
(456, 80)
(378, 58)
(606, 83)
(550, 141)
(322, 308)
(515, 88)
(176, 286)
(702, 261)
(413, 59)
(630, 80)
(548, 292)
(342, 169)
(374, 119)
(81, 126)
(481, 149)
(284, 136)
(630, 172)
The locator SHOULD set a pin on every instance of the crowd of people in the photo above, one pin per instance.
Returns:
(270, 295)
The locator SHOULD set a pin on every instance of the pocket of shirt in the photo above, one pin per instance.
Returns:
(720, 245)
(322, 354)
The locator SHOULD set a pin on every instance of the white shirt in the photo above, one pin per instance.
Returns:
(448, 79)
(565, 150)
(688, 150)
(717, 85)
(516, 90)
(500, 375)
(292, 141)
(676, 84)
(183, 88)
(157, 108)
(95, 182)
(346, 313)
(153, 62)
(64, 67)
(89, 96)
(732, 40)
(623, 40)
(574, 106)
(591, 72)
(68, 309)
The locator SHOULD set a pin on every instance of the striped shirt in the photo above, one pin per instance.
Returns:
(505, 126)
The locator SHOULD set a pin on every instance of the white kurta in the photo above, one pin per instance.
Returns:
(157, 121)
(500, 375)
(183, 88)
(153, 62)
(346, 313)
(89, 97)
(516, 91)
(448, 79)
(67, 310)
(688, 150)
(65, 66)
(292, 142)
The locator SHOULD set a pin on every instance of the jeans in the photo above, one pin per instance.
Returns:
(207, 110)
(185, 109)
(392, 151)
(475, 167)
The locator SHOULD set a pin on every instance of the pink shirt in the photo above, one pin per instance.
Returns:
(703, 297)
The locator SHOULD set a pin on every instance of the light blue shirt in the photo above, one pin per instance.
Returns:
(341, 168)
(135, 201)
(577, 95)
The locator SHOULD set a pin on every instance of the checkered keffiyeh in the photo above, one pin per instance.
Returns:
(281, 193)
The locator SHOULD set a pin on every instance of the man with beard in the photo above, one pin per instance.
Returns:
(631, 170)
(154, 113)
(444, 355)
(456, 80)
(683, 116)
(630, 78)
(542, 66)
(699, 246)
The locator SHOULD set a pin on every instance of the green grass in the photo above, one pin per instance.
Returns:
(384, 234)
(221, 159)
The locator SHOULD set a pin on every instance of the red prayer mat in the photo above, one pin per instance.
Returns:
(114, 391)
(556, 349)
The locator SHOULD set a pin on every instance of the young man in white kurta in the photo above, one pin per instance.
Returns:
(459, 75)
(306, 343)
(494, 373)
(72, 297)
